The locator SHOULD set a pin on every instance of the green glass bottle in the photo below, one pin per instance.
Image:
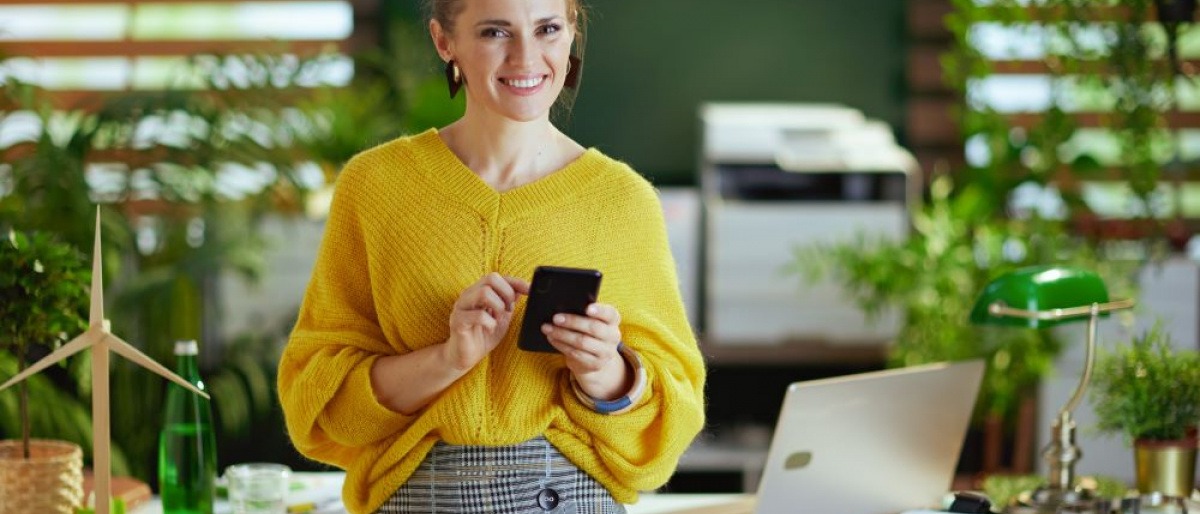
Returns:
(187, 450)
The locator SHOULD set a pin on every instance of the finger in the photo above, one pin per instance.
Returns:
(594, 327)
(604, 312)
(577, 359)
(491, 299)
(519, 286)
(502, 287)
(583, 324)
(576, 340)
(468, 320)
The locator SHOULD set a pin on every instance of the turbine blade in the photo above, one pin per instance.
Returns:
(129, 352)
(96, 315)
(84, 340)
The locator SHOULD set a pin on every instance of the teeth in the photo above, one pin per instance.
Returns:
(526, 83)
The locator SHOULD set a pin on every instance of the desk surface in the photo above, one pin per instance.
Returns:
(324, 491)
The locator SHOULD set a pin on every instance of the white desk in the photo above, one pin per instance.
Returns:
(325, 489)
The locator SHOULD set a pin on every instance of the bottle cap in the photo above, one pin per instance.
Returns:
(188, 347)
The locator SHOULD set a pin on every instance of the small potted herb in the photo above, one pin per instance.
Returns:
(1150, 393)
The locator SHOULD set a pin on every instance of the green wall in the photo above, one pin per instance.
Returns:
(649, 64)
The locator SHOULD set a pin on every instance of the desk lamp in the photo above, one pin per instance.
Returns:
(1041, 297)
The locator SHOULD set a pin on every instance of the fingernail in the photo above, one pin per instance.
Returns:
(559, 319)
(546, 328)
(591, 310)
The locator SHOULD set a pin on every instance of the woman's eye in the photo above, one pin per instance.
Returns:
(551, 28)
(492, 32)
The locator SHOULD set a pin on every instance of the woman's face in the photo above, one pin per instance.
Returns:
(513, 54)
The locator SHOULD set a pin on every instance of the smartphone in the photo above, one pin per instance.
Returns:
(555, 289)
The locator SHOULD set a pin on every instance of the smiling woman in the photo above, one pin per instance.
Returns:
(404, 367)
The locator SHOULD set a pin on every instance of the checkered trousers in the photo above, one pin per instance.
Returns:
(527, 478)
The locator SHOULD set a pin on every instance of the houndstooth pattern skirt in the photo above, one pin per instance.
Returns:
(527, 478)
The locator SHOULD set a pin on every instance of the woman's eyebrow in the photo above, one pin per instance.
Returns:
(502, 23)
(506, 23)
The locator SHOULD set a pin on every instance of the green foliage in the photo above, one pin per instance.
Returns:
(1006, 491)
(931, 279)
(397, 89)
(261, 113)
(1146, 390)
(1123, 74)
(970, 231)
(43, 295)
(43, 291)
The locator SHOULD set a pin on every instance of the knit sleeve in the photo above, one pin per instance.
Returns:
(642, 446)
(324, 375)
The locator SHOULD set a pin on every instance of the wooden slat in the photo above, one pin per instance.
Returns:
(362, 8)
(1186, 119)
(1042, 67)
(137, 2)
(72, 100)
(929, 122)
(924, 68)
(925, 19)
(142, 157)
(167, 48)
(90, 100)
(1177, 232)
(934, 160)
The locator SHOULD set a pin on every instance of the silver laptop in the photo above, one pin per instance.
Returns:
(872, 443)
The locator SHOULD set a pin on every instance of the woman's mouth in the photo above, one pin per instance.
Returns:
(525, 85)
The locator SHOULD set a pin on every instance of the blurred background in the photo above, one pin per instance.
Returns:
(839, 180)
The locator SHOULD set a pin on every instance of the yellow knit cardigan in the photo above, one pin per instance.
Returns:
(410, 227)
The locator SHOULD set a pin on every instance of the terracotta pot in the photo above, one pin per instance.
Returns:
(50, 481)
(1167, 467)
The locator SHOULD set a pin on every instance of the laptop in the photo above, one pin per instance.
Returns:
(871, 443)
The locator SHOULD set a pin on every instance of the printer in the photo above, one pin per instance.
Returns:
(778, 177)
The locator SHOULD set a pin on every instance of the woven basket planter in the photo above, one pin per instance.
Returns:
(51, 481)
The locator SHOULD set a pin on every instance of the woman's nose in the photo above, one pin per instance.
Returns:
(522, 51)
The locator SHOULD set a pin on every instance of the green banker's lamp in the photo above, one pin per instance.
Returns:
(1041, 297)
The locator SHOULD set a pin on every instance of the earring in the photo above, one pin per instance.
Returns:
(454, 77)
(573, 67)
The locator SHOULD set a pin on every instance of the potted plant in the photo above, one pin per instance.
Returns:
(42, 297)
(1150, 394)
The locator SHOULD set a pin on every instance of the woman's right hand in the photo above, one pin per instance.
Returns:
(481, 318)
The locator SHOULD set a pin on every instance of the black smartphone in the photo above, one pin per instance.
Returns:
(555, 289)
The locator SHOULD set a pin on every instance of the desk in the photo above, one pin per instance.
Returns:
(322, 488)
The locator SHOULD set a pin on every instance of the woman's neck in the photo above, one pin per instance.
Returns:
(505, 154)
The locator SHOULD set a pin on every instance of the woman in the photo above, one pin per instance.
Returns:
(403, 367)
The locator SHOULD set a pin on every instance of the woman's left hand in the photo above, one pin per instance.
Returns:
(589, 345)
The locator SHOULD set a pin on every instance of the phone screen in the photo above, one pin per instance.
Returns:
(555, 289)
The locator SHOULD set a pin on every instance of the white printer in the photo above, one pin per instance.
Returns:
(775, 177)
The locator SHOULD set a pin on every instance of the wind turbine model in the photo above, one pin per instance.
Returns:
(100, 340)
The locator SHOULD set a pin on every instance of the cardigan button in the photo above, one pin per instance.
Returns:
(547, 499)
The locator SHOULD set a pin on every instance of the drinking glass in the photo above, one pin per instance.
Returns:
(258, 487)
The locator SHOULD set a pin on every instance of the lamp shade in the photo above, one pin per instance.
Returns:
(1040, 291)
